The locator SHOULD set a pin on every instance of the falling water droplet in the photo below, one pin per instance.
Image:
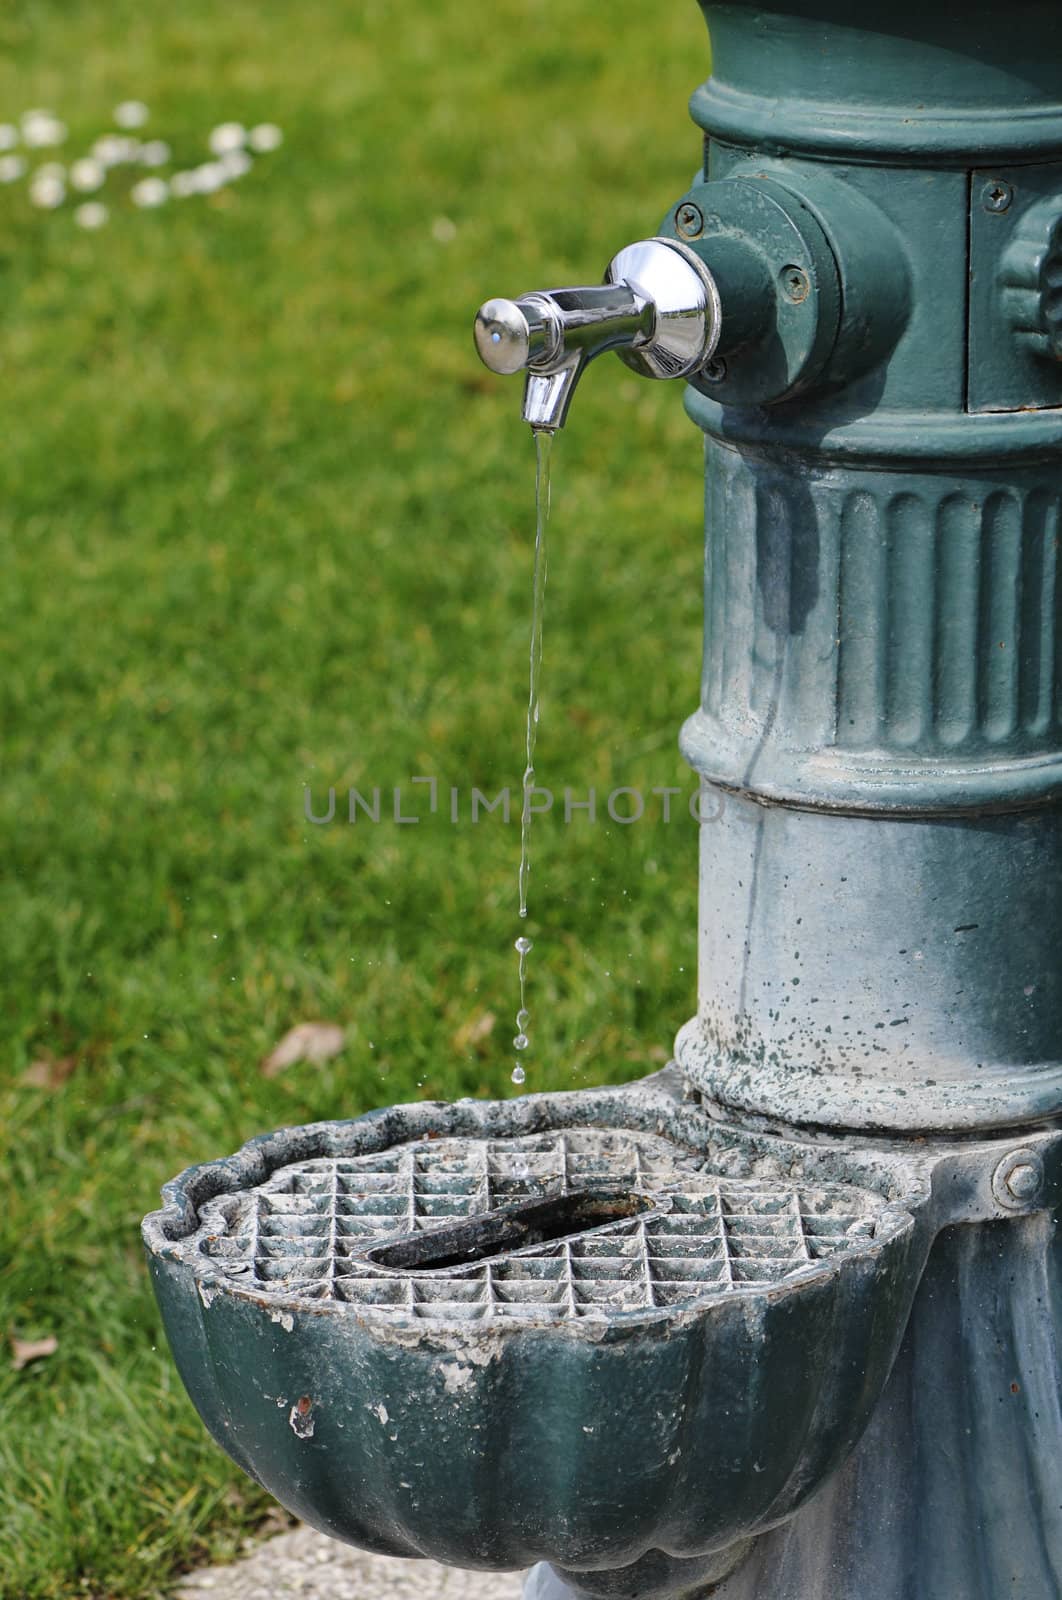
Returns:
(519, 1074)
(523, 944)
(521, 1041)
(523, 1017)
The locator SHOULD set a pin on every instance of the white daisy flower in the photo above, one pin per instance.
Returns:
(235, 163)
(150, 192)
(11, 168)
(131, 114)
(182, 184)
(40, 129)
(227, 136)
(265, 137)
(113, 150)
(155, 153)
(87, 174)
(47, 193)
(8, 136)
(92, 214)
(210, 177)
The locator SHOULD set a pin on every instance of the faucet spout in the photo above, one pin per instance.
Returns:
(658, 307)
(555, 334)
(547, 395)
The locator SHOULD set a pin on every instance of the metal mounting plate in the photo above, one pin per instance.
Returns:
(1011, 367)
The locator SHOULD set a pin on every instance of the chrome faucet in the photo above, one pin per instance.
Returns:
(658, 308)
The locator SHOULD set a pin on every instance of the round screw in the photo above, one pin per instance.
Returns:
(689, 220)
(997, 195)
(714, 371)
(795, 283)
(1018, 1179)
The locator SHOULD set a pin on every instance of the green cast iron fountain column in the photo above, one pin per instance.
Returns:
(879, 730)
(882, 875)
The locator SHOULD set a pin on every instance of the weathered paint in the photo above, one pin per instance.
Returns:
(880, 705)
(579, 1440)
(590, 1441)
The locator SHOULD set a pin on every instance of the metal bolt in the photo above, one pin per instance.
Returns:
(714, 371)
(1023, 1182)
(1018, 1179)
(689, 219)
(795, 283)
(997, 195)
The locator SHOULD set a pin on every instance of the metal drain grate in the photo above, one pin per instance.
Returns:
(304, 1233)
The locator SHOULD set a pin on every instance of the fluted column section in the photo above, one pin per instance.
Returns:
(880, 639)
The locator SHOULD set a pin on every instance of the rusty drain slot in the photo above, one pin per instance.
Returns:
(515, 1227)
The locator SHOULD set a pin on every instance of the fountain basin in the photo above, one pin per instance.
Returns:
(672, 1378)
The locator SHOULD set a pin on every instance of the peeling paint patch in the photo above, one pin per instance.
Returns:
(206, 1294)
(301, 1418)
(455, 1377)
(482, 1354)
(379, 1411)
(285, 1318)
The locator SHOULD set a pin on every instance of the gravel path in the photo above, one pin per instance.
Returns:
(304, 1565)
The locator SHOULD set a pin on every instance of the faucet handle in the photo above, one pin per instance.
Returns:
(658, 308)
(511, 334)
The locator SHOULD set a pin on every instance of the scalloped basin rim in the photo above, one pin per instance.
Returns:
(585, 1441)
(637, 1108)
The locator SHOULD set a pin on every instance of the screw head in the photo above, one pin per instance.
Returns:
(689, 220)
(796, 285)
(996, 195)
(714, 371)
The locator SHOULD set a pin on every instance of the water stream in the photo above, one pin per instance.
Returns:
(543, 450)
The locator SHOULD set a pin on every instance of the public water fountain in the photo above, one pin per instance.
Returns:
(784, 1319)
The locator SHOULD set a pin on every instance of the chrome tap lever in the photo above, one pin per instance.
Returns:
(658, 308)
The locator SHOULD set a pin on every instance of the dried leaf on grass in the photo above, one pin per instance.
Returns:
(23, 1351)
(48, 1074)
(474, 1032)
(308, 1041)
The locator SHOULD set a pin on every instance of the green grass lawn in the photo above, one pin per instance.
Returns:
(267, 523)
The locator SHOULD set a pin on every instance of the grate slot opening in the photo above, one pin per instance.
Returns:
(672, 1269)
(495, 1233)
(547, 1267)
(697, 1246)
(430, 1289)
(302, 1268)
(451, 1310)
